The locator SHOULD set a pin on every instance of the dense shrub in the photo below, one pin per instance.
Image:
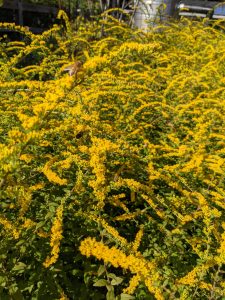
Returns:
(112, 180)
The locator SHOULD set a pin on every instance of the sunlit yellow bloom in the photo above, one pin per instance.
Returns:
(52, 176)
(135, 280)
(8, 226)
(26, 157)
(28, 223)
(117, 258)
(56, 237)
(137, 241)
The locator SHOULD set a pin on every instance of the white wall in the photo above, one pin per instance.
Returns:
(147, 10)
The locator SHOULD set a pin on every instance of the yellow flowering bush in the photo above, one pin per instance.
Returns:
(112, 179)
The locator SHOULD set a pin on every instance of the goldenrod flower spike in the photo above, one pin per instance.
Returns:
(141, 268)
(56, 237)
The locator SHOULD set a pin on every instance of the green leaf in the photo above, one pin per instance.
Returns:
(101, 270)
(75, 272)
(20, 242)
(111, 275)
(101, 282)
(40, 224)
(15, 292)
(126, 297)
(110, 295)
(1, 2)
(116, 281)
(110, 287)
(19, 266)
(3, 281)
(28, 288)
(23, 249)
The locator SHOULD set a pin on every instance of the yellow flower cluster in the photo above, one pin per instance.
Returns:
(145, 269)
(9, 227)
(63, 296)
(220, 258)
(28, 223)
(52, 176)
(112, 231)
(56, 237)
(194, 276)
(24, 200)
(137, 241)
(134, 282)
(97, 158)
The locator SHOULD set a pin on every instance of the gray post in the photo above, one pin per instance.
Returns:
(20, 12)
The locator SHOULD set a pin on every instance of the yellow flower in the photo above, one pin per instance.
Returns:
(52, 176)
(24, 200)
(192, 278)
(95, 62)
(42, 233)
(37, 186)
(137, 265)
(56, 237)
(28, 223)
(63, 296)
(111, 230)
(9, 227)
(204, 285)
(97, 159)
(135, 280)
(137, 241)
(26, 157)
